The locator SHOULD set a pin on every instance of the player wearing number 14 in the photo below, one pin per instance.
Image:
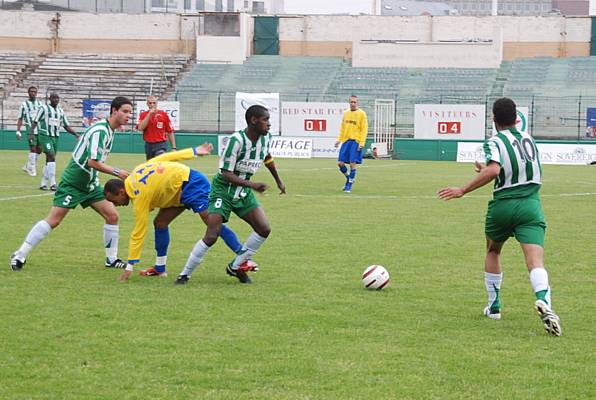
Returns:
(513, 162)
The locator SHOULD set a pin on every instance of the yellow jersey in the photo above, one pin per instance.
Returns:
(155, 184)
(354, 126)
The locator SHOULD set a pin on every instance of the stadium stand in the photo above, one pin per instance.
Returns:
(14, 67)
(78, 76)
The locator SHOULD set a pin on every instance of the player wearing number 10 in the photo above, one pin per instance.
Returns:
(513, 162)
(80, 185)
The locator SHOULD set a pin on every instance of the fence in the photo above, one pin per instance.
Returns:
(559, 118)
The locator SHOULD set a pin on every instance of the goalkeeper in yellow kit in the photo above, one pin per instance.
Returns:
(172, 187)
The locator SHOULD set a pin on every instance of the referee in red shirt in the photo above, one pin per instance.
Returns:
(155, 124)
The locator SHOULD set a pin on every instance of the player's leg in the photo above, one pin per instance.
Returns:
(355, 156)
(161, 223)
(110, 229)
(37, 233)
(227, 234)
(30, 166)
(200, 249)
(342, 159)
(493, 276)
(52, 163)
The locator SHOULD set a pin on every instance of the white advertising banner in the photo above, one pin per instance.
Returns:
(172, 108)
(324, 147)
(550, 153)
(267, 100)
(280, 147)
(311, 119)
(449, 121)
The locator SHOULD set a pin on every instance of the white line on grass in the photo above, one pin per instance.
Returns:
(25, 197)
(389, 197)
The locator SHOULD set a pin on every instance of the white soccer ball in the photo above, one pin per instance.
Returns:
(375, 277)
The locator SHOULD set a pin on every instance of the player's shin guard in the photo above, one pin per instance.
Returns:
(539, 280)
(52, 172)
(31, 161)
(492, 282)
(110, 240)
(39, 231)
(44, 176)
(344, 170)
(352, 175)
(230, 238)
(195, 258)
(162, 242)
(253, 243)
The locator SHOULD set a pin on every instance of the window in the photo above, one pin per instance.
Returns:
(258, 7)
(218, 5)
(231, 5)
(200, 5)
(164, 5)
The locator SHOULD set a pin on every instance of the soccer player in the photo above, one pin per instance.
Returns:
(156, 125)
(80, 185)
(352, 136)
(231, 191)
(172, 187)
(513, 162)
(27, 113)
(48, 121)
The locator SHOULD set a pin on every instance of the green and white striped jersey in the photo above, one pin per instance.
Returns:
(28, 112)
(94, 144)
(243, 157)
(50, 120)
(518, 156)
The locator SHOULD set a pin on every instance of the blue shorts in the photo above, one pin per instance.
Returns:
(195, 192)
(349, 153)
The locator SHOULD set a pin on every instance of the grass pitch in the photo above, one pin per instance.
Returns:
(305, 329)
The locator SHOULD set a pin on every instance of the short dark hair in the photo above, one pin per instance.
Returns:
(505, 112)
(119, 102)
(255, 111)
(31, 87)
(54, 94)
(113, 186)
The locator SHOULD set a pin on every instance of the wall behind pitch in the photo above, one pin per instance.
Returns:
(157, 33)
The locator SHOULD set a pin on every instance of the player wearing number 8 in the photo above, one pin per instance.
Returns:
(513, 162)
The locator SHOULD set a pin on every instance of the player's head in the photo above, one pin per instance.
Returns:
(32, 92)
(120, 110)
(504, 113)
(353, 100)
(152, 102)
(54, 99)
(115, 192)
(257, 119)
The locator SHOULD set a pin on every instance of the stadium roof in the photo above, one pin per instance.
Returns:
(403, 7)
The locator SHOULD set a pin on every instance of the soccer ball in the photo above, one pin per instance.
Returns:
(375, 277)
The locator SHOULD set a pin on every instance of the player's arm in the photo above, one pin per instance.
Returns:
(34, 122)
(485, 175)
(19, 126)
(95, 155)
(363, 130)
(145, 121)
(170, 132)
(270, 164)
(234, 179)
(137, 237)
(186, 154)
(72, 132)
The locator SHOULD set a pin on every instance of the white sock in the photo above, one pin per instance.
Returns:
(195, 258)
(110, 241)
(249, 248)
(32, 160)
(492, 282)
(44, 176)
(539, 281)
(39, 231)
(52, 172)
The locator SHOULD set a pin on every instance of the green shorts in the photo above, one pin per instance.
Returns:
(68, 196)
(48, 144)
(519, 217)
(224, 203)
(34, 142)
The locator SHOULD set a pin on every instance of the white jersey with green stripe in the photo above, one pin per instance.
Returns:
(50, 120)
(94, 144)
(518, 156)
(243, 157)
(28, 112)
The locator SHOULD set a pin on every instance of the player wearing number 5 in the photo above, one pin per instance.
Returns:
(172, 187)
(352, 136)
(80, 185)
(48, 121)
(513, 162)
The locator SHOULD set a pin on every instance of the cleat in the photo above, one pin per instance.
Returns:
(53, 188)
(249, 265)
(552, 323)
(29, 171)
(492, 314)
(117, 263)
(181, 280)
(348, 188)
(237, 273)
(16, 264)
(43, 187)
(152, 272)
